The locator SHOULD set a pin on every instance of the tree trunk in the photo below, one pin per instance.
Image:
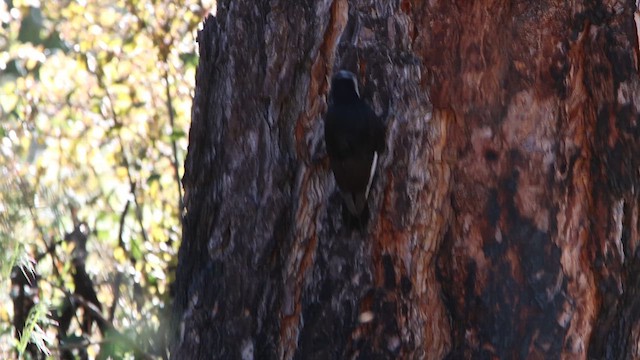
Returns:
(504, 220)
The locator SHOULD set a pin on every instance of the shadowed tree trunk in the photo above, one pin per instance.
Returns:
(505, 217)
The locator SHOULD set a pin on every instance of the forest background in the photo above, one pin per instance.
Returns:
(95, 101)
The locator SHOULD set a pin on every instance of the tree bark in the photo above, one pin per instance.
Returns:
(505, 214)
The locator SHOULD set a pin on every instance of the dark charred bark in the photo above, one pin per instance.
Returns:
(512, 163)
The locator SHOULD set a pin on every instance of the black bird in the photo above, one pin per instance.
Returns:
(354, 137)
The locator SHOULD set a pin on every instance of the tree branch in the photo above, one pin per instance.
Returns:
(174, 147)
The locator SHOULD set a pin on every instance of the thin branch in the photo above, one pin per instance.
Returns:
(174, 146)
(116, 296)
(122, 218)
(118, 281)
(99, 77)
(54, 256)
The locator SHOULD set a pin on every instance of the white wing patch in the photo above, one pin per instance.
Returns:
(371, 173)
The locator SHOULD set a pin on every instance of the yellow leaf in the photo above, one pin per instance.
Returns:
(119, 255)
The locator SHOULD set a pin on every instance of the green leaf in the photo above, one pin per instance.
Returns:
(154, 177)
(177, 134)
(31, 27)
(189, 59)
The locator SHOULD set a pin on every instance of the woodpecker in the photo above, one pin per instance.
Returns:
(354, 137)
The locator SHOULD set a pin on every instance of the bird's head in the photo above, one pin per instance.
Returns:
(344, 87)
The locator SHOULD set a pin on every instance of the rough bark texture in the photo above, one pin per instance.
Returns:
(505, 218)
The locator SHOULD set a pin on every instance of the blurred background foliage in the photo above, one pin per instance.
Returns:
(95, 100)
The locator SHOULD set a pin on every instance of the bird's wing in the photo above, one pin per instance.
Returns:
(354, 136)
(378, 130)
(337, 135)
(372, 172)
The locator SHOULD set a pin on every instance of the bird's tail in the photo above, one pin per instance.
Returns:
(355, 212)
(356, 202)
